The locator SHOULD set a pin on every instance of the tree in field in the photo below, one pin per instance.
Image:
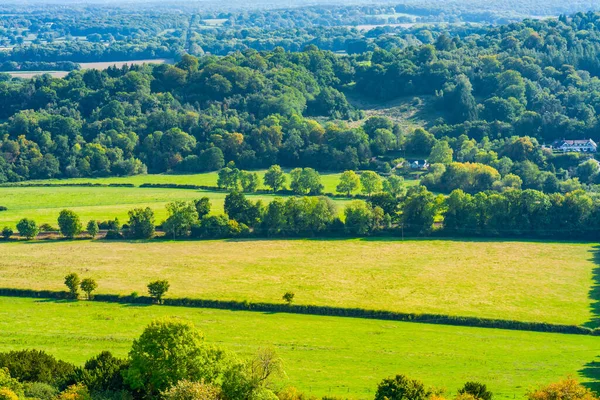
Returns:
(370, 182)
(103, 373)
(288, 297)
(88, 285)
(275, 178)
(306, 181)
(419, 210)
(394, 185)
(169, 351)
(27, 228)
(441, 153)
(349, 182)
(72, 282)
(229, 177)
(252, 379)
(402, 388)
(69, 224)
(158, 289)
(250, 181)
(476, 389)
(92, 228)
(182, 216)
(188, 390)
(7, 233)
(567, 389)
(141, 223)
(239, 208)
(202, 207)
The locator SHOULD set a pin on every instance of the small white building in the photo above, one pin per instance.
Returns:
(582, 146)
(419, 164)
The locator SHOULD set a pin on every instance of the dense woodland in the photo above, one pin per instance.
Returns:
(499, 95)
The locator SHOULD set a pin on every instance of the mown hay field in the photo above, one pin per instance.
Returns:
(525, 281)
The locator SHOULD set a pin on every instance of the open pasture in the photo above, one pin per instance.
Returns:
(346, 357)
(329, 180)
(524, 281)
(43, 204)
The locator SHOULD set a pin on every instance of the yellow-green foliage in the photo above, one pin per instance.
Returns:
(7, 394)
(186, 390)
(567, 389)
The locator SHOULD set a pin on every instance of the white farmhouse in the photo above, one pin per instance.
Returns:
(582, 146)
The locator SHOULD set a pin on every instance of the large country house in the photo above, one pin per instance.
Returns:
(583, 146)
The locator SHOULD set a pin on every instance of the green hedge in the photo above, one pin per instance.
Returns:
(83, 184)
(322, 310)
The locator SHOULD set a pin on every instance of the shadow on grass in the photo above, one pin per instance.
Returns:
(591, 371)
(594, 293)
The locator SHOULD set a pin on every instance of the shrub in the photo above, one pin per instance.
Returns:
(477, 390)
(37, 366)
(72, 282)
(92, 228)
(7, 394)
(7, 233)
(401, 388)
(567, 389)
(2, 208)
(47, 228)
(75, 392)
(88, 285)
(27, 228)
(69, 224)
(39, 390)
(103, 373)
(158, 289)
(113, 235)
(288, 297)
(186, 390)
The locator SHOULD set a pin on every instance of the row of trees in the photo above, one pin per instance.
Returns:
(513, 212)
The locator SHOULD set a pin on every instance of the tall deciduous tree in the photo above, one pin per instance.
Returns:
(349, 182)
(168, 351)
(275, 178)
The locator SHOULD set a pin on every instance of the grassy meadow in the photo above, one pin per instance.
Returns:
(329, 180)
(43, 204)
(323, 355)
(526, 281)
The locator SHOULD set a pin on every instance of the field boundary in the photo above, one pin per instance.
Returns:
(435, 319)
(208, 188)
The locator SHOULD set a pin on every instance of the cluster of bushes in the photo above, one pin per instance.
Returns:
(171, 361)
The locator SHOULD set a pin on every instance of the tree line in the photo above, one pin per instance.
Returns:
(415, 212)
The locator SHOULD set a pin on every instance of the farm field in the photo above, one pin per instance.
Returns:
(322, 355)
(329, 180)
(94, 65)
(488, 279)
(43, 204)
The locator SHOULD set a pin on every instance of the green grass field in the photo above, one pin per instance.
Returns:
(322, 355)
(43, 204)
(526, 281)
(329, 180)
